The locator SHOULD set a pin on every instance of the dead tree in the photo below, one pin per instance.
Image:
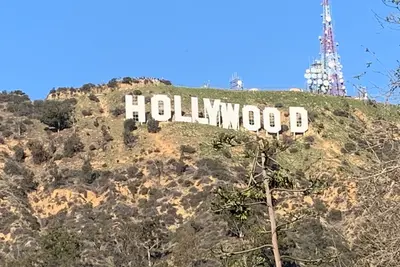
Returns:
(271, 211)
(265, 166)
(377, 226)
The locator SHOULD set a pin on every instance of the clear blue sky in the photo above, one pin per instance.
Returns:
(48, 43)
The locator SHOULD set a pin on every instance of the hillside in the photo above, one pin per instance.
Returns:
(94, 190)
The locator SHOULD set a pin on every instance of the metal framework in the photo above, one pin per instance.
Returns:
(236, 82)
(325, 75)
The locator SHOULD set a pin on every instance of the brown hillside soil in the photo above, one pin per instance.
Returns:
(118, 201)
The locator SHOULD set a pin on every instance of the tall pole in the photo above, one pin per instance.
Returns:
(329, 57)
(325, 75)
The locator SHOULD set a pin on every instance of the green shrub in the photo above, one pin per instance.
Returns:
(106, 135)
(87, 87)
(72, 146)
(309, 139)
(153, 126)
(341, 113)
(129, 125)
(287, 140)
(118, 111)
(137, 92)
(129, 139)
(56, 114)
(39, 154)
(312, 115)
(19, 154)
(284, 128)
(335, 215)
(87, 113)
(113, 83)
(27, 122)
(94, 98)
(7, 133)
(349, 148)
(26, 176)
(89, 175)
(166, 82)
(187, 149)
(319, 127)
(226, 153)
(127, 80)
(60, 248)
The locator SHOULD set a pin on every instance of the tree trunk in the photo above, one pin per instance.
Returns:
(271, 212)
(148, 257)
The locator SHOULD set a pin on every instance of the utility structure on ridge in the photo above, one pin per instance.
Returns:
(236, 83)
(325, 75)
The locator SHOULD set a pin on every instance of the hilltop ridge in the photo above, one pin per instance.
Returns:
(112, 85)
(82, 186)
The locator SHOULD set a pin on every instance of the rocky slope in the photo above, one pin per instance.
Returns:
(93, 190)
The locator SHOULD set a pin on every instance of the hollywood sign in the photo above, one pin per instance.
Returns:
(217, 113)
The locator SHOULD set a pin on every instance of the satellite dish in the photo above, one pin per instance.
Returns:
(307, 75)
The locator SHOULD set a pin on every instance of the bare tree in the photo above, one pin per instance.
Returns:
(377, 226)
(265, 179)
(271, 212)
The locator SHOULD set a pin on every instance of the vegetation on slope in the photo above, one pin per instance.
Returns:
(83, 187)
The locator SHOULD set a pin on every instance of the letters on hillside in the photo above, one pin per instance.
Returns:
(217, 113)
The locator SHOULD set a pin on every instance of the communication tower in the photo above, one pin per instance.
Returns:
(325, 75)
(207, 84)
(236, 83)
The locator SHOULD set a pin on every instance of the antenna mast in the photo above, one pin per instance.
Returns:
(325, 75)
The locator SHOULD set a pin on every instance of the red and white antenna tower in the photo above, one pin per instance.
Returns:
(325, 75)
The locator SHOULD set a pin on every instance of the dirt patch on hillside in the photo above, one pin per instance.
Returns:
(167, 147)
(104, 107)
(46, 205)
(5, 238)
